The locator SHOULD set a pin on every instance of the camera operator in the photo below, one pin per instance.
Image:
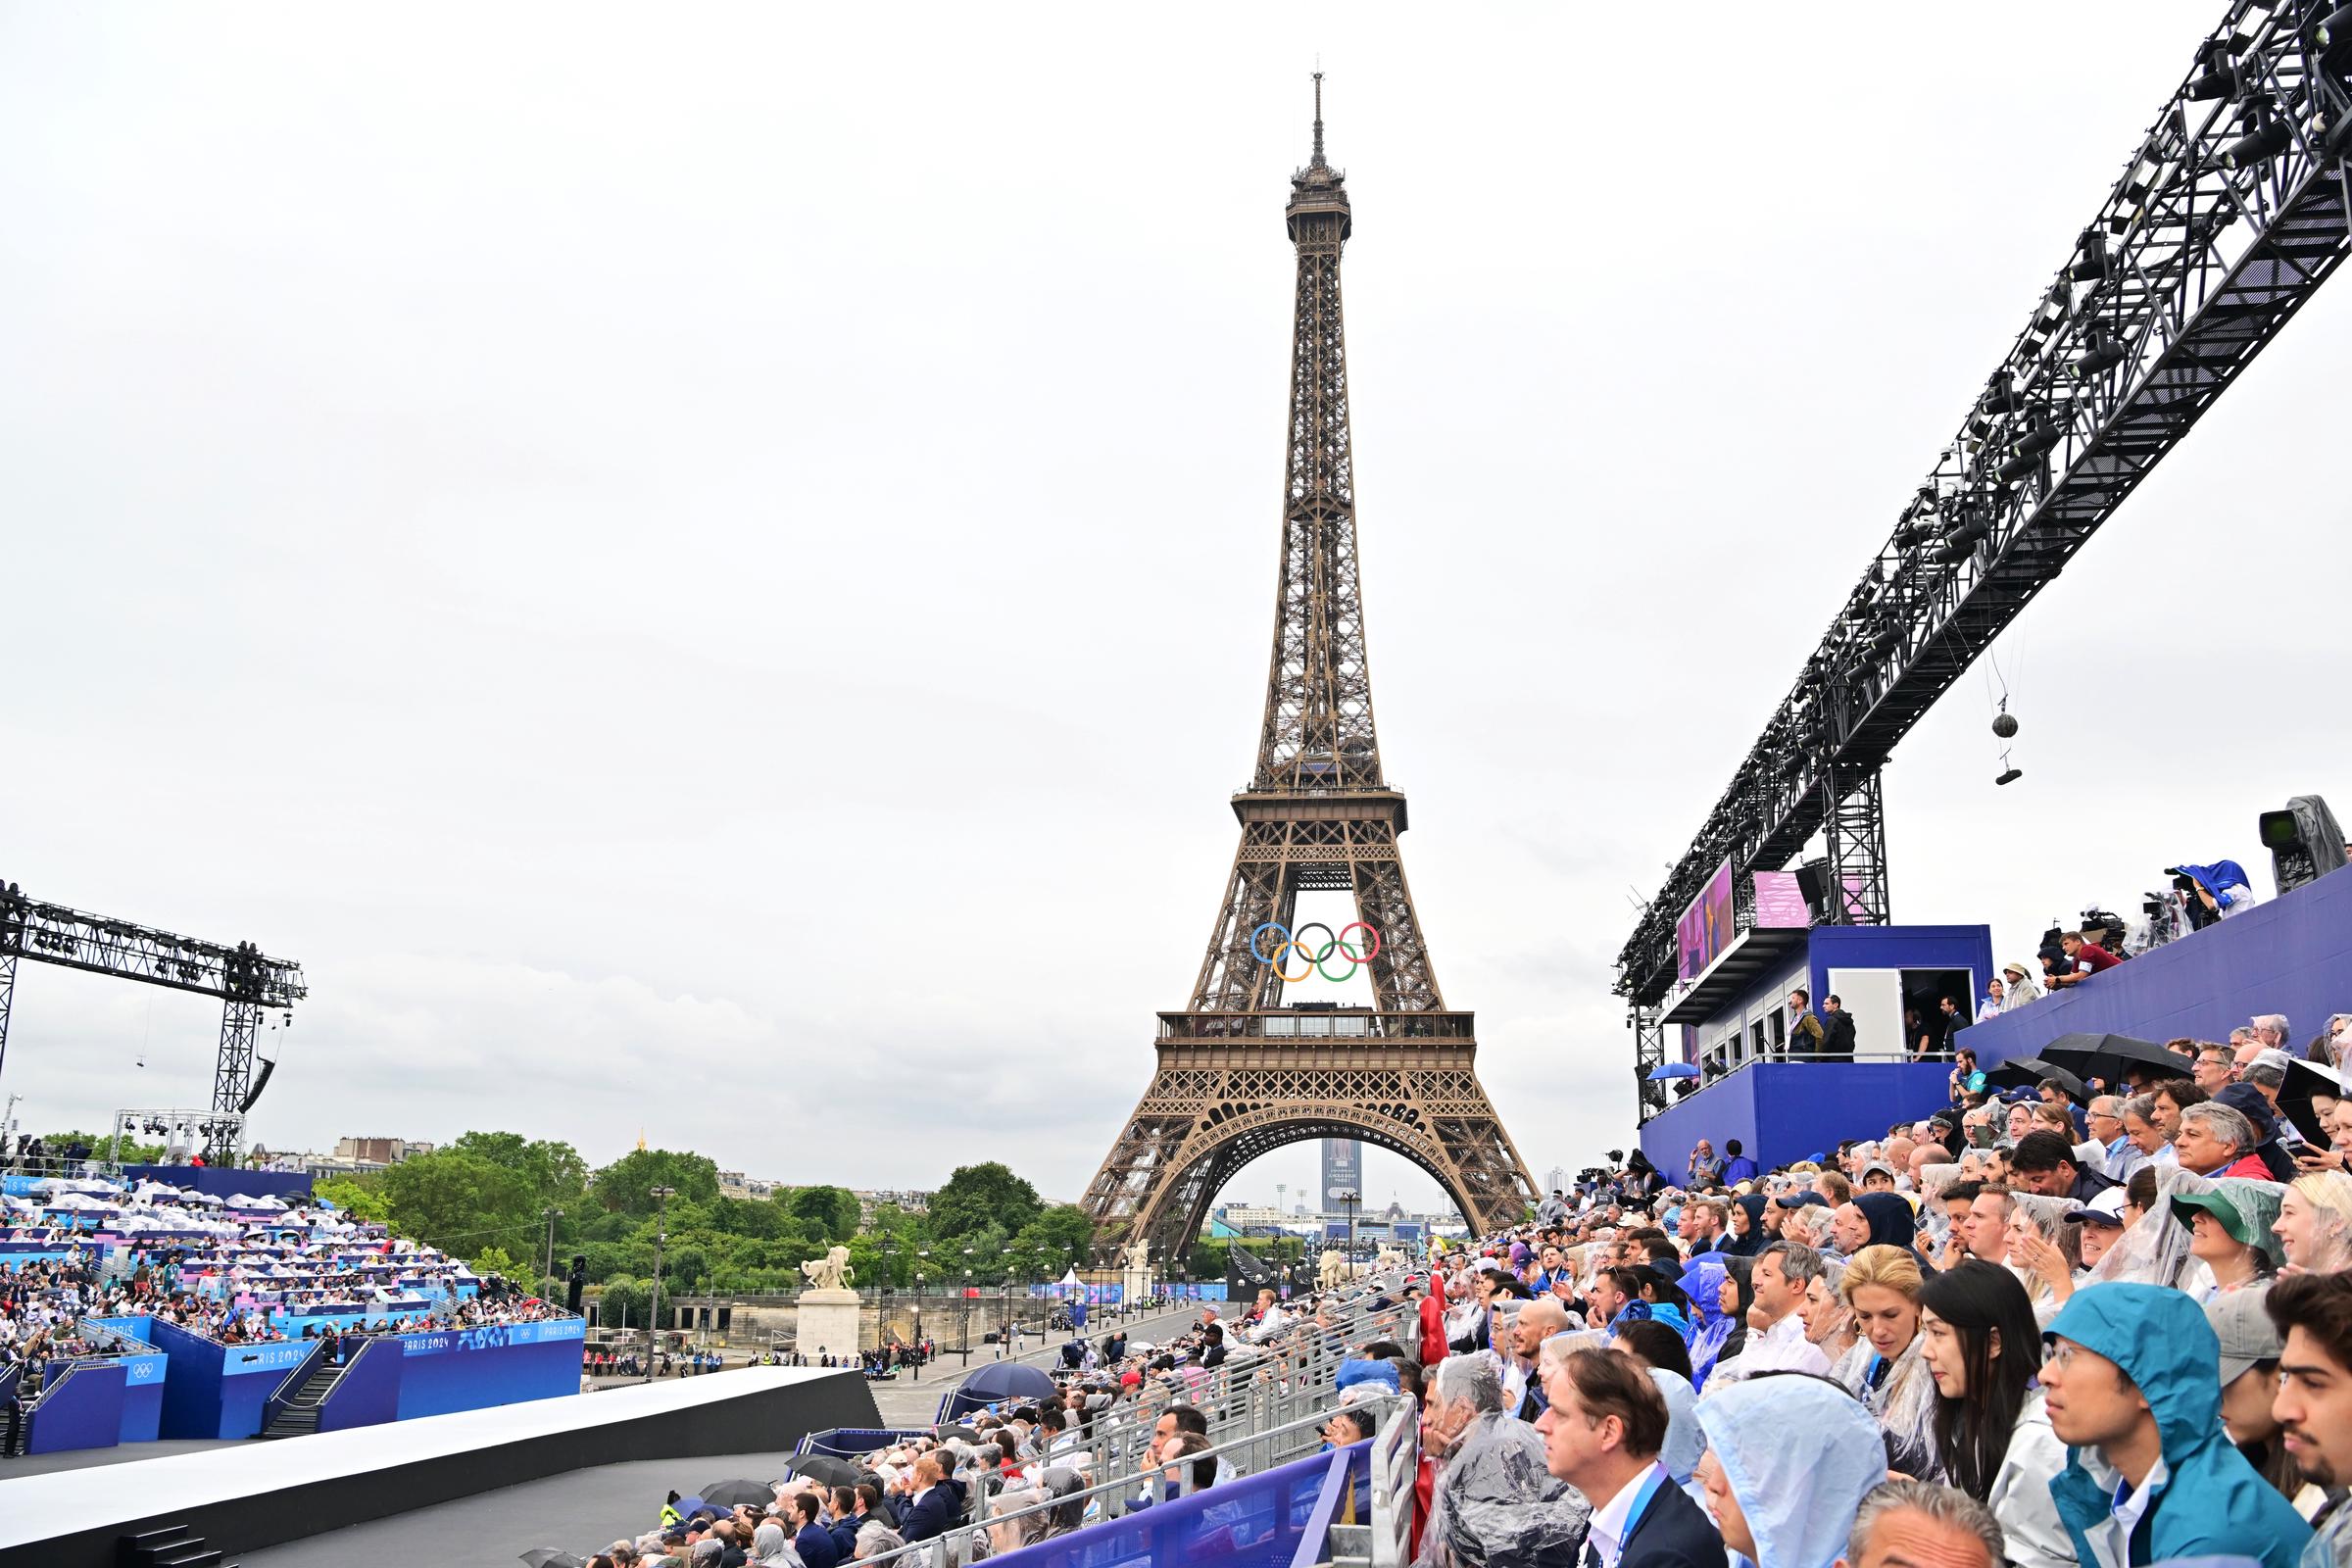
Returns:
(2084, 959)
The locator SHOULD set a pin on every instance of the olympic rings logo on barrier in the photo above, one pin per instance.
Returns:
(1315, 957)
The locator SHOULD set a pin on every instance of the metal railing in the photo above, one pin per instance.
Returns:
(1256, 1404)
(1115, 1498)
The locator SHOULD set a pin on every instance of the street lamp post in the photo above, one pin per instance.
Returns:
(1348, 1195)
(963, 1312)
(551, 1215)
(653, 1318)
(918, 1322)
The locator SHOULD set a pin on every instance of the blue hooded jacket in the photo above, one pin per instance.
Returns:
(1703, 1281)
(2213, 1500)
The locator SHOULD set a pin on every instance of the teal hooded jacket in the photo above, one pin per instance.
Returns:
(2213, 1500)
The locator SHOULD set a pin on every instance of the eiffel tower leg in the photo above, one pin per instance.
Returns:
(1232, 978)
(1403, 980)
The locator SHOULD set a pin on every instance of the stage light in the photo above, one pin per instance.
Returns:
(2103, 354)
(2150, 174)
(2052, 314)
(2334, 29)
(1886, 642)
(2267, 140)
(2217, 73)
(1961, 543)
(2092, 265)
(2026, 451)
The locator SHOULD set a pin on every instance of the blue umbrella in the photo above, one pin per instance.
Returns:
(1673, 1069)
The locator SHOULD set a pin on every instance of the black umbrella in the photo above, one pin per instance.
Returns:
(2107, 1057)
(727, 1493)
(2305, 1079)
(2024, 1072)
(966, 1433)
(824, 1469)
(551, 1557)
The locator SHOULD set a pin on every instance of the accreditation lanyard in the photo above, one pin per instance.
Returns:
(1642, 1500)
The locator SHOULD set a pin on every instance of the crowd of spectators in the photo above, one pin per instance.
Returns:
(1010, 1475)
(2093, 1329)
(240, 1270)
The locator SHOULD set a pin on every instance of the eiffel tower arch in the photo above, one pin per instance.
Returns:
(1240, 1074)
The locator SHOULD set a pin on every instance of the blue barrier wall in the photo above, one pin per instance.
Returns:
(81, 1408)
(468, 1369)
(217, 1391)
(1258, 1521)
(1783, 1113)
(2292, 955)
(143, 1380)
(224, 1180)
(368, 1394)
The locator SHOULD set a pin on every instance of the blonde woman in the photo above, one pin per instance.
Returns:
(1883, 1370)
(2315, 1224)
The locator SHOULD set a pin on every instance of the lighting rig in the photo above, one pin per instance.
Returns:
(2231, 213)
(250, 984)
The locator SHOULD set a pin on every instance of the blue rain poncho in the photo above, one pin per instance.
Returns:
(2212, 1500)
(1800, 1455)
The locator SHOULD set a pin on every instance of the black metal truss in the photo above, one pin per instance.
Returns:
(248, 981)
(2231, 212)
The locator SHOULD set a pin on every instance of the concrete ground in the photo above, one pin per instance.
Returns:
(589, 1510)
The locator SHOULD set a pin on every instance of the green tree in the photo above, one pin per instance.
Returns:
(461, 1205)
(980, 1197)
(831, 1212)
(624, 1300)
(497, 1260)
(555, 1171)
(627, 1186)
(360, 1198)
(682, 1266)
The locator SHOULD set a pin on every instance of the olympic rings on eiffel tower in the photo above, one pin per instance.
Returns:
(1296, 943)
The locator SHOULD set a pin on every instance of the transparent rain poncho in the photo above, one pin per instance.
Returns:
(1494, 1504)
(2154, 1249)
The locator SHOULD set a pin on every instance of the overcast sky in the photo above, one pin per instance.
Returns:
(708, 571)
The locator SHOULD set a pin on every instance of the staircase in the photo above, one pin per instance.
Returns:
(173, 1547)
(300, 1415)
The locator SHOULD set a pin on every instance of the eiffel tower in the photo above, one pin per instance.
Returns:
(1239, 1073)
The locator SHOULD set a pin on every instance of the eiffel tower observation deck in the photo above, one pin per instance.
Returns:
(1239, 1072)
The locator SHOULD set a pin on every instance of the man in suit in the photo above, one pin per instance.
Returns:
(1601, 1435)
(933, 1509)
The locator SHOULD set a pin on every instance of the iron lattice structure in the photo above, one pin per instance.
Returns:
(2229, 215)
(1239, 1075)
(247, 982)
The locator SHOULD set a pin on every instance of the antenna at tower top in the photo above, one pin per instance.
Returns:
(1318, 162)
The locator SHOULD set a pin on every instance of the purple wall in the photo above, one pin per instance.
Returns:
(2292, 955)
(1783, 1113)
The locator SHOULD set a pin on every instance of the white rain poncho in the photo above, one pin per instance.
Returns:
(1800, 1455)
(1496, 1505)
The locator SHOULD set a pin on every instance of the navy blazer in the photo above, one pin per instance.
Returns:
(816, 1545)
(1672, 1533)
(927, 1516)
